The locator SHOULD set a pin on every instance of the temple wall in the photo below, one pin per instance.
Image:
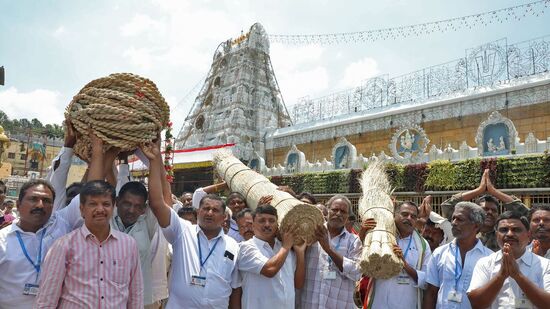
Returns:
(533, 118)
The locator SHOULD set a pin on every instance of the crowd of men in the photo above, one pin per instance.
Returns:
(110, 242)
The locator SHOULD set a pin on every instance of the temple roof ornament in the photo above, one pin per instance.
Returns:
(408, 144)
(497, 135)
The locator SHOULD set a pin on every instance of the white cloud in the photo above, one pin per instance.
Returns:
(45, 105)
(359, 71)
(60, 31)
(141, 24)
(298, 71)
(140, 57)
(292, 57)
(300, 83)
(185, 34)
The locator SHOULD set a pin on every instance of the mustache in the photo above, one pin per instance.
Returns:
(266, 230)
(509, 239)
(38, 210)
(541, 229)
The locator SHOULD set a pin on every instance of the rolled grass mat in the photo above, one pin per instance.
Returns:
(253, 186)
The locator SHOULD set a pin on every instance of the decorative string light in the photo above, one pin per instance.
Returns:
(517, 13)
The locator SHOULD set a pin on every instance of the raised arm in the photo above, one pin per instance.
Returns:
(274, 264)
(300, 272)
(166, 189)
(156, 199)
(448, 206)
(322, 236)
(201, 192)
(61, 164)
(96, 167)
(508, 202)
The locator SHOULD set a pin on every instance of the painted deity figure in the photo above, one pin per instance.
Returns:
(501, 145)
(407, 140)
(491, 146)
(344, 161)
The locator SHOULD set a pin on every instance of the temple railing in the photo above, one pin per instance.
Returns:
(487, 65)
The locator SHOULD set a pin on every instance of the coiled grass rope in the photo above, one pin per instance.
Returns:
(123, 109)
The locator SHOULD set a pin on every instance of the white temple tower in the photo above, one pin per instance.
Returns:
(240, 99)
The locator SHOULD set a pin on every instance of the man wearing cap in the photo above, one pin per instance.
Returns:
(437, 231)
(451, 266)
(488, 198)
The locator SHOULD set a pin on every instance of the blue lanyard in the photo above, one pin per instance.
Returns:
(336, 249)
(209, 253)
(408, 247)
(458, 269)
(39, 258)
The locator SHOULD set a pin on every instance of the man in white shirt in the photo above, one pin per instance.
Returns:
(204, 272)
(451, 266)
(332, 263)
(235, 201)
(513, 277)
(133, 217)
(404, 290)
(25, 243)
(270, 271)
(539, 217)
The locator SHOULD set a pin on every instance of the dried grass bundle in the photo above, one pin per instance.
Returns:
(378, 260)
(253, 186)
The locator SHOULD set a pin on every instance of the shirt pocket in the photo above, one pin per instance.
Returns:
(448, 274)
(118, 271)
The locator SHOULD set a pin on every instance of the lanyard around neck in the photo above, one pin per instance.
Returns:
(209, 253)
(408, 247)
(39, 257)
(336, 248)
(458, 267)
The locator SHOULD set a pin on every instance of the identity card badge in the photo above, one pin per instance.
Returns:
(30, 289)
(329, 274)
(454, 296)
(198, 280)
(403, 278)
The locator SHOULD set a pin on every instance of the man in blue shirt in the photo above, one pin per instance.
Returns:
(451, 266)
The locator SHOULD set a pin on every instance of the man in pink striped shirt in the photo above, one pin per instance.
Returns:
(94, 266)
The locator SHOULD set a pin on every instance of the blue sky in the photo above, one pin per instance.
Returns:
(50, 49)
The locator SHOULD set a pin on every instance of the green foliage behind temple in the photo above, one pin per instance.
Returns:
(506, 172)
